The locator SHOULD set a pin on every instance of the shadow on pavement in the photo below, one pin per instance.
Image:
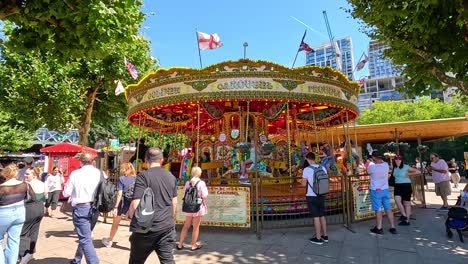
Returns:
(67, 233)
(56, 260)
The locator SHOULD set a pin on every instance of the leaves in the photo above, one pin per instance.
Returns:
(427, 37)
(421, 109)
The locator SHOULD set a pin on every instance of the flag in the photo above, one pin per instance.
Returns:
(208, 41)
(362, 63)
(131, 69)
(304, 46)
(362, 81)
(119, 89)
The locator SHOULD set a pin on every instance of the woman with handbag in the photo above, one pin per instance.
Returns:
(402, 192)
(34, 215)
(12, 213)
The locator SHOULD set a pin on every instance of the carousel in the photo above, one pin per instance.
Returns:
(250, 123)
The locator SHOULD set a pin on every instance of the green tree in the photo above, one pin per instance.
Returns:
(42, 88)
(12, 136)
(421, 109)
(428, 37)
(70, 28)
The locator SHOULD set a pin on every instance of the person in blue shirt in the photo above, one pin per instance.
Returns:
(403, 190)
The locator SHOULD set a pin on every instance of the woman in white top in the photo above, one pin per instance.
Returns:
(53, 185)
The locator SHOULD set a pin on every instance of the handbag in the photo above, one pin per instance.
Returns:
(391, 179)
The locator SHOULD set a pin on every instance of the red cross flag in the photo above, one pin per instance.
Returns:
(208, 41)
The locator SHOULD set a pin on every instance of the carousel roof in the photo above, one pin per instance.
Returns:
(168, 100)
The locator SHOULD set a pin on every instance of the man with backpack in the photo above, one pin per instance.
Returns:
(82, 186)
(153, 211)
(315, 179)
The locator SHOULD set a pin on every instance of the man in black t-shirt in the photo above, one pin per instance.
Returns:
(161, 237)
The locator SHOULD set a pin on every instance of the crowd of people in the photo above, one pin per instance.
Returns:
(25, 199)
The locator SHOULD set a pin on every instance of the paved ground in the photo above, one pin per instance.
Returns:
(422, 242)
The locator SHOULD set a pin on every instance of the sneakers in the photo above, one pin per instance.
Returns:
(315, 240)
(106, 242)
(444, 208)
(377, 231)
(325, 239)
(403, 218)
(26, 258)
(393, 230)
(404, 223)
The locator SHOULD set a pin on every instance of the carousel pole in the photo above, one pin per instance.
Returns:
(288, 130)
(247, 122)
(138, 142)
(198, 132)
(315, 131)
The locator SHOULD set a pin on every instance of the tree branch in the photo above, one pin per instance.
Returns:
(9, 8)
(442, 75)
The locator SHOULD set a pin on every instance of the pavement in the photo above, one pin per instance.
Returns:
(424, 241)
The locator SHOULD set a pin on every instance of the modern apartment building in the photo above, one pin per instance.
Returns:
(383, 79)
(325, 55)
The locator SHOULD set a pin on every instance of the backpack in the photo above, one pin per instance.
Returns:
(191, 201)
(128, 195)
(105, 195)
(144, 214)
(321, 184)
(457, 219)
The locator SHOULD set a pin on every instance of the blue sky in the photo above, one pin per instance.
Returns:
(267, 26)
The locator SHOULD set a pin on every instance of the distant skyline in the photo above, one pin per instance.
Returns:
(273, 30)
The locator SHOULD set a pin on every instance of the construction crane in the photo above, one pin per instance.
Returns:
(333, 44)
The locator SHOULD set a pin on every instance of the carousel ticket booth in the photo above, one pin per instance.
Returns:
(250, 124)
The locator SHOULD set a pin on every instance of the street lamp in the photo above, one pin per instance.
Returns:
(245, 47)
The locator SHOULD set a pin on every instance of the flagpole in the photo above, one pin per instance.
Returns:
(198, 47)
(294, 62)
(359, 61)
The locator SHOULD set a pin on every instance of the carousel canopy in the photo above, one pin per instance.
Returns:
(312, 97)
(67, 149)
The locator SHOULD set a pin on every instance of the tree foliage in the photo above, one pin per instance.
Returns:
(12, 136)
(428, 37)
(70, 28)
(421, 109)
(42, 88)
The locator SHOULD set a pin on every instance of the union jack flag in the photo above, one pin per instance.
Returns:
(132, 69)
(304, 46)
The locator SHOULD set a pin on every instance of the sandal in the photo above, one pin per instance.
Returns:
(179, 248)
(197, 248)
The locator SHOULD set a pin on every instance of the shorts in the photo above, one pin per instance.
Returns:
(380, 199)
(404, 190)
(443, 188)
(316, 205)
(123, 207)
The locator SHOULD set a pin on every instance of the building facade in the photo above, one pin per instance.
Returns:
(383, 80)
(325, 55)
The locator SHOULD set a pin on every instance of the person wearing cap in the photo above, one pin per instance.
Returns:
(379, 193)
(441, 177)
(28, 164)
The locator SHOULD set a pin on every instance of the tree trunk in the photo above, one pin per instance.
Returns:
(86, 118)
(9, 8)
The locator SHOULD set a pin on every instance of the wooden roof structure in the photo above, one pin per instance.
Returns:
(406, 131)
